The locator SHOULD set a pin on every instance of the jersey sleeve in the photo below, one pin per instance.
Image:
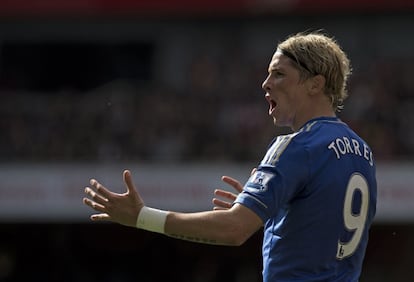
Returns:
(280, 176)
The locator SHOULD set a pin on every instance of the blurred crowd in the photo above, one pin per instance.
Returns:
(218, 114)
(201, 102)
(221, 116)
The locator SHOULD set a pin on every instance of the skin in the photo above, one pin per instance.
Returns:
(228, 196)
(231, 226)
(292, 102)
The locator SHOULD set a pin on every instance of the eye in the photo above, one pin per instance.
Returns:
(278, 73)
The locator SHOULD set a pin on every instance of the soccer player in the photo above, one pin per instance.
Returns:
(313, 193)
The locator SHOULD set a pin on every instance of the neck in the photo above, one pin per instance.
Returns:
(312, 114)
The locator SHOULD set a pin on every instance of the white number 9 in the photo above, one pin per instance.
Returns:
(354, 222)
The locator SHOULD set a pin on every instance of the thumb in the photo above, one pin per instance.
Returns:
(131, 190)
(253, 171)
(129, 183)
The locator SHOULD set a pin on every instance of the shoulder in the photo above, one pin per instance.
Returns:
(278, 147)
(312, 135)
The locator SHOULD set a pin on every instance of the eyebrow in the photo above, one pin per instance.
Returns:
(295, 59)
(275, 68)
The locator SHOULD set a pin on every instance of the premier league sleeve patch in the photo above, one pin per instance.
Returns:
(258, 181)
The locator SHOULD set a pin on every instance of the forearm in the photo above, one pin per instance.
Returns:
(209, 227)
(231, 227)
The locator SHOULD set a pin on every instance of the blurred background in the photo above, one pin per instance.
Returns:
(172, 91)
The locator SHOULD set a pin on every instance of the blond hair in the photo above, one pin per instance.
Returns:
(318, 54)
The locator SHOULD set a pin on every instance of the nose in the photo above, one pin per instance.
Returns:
(265, 84)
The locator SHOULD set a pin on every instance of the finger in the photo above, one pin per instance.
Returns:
(95, 196)
(128, 181)
(131, 190)
(102, 190)
(94, 205)
(221, 204)
(225, 194)
(253, 171)
(233, 182)
(101, 217)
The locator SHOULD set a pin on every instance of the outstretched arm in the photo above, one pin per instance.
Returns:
(225, 227)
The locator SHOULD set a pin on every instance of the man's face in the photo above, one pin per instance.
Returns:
(285, 92)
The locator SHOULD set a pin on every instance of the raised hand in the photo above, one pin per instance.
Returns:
(120, 208)
(229, 196)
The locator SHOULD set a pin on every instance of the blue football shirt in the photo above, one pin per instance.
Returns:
(315, 191)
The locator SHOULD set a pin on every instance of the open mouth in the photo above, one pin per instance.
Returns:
(272, 104)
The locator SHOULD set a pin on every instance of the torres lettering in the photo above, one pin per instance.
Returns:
(343, 146)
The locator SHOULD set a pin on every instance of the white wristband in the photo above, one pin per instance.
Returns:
(152, 219)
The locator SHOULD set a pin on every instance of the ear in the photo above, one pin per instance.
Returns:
(316, 84)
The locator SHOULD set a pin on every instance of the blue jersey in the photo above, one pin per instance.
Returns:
(315, 191)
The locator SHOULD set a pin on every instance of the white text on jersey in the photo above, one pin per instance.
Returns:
(344, 145)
